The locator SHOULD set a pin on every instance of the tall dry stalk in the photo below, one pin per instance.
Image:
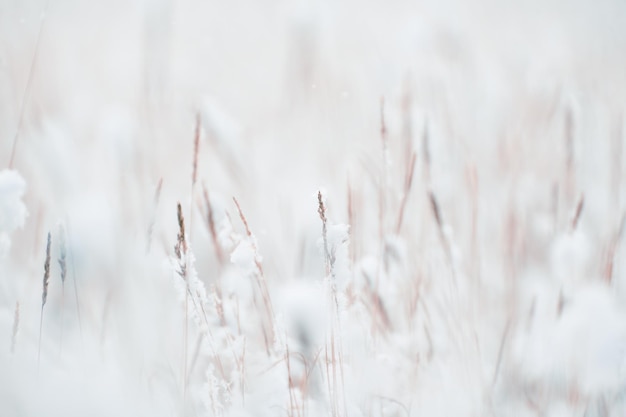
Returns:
(196, 150)
(445, 243)
(16, 326)
(407, 125)
(426, 152)
(63, 269)
(210, 219)
(321, 210)
(383, 186)
(194, 172)
(434, 205)
(180, 249)
(408, 181)
(612, 250)
(578, 212)
(617, 145)
(351, 223)
(186, 271)
(29, 83)
(155, 205)
(268, 333)
(68, 238)
(472, 183)
(44, 294)
(336, 350)
(570, 173)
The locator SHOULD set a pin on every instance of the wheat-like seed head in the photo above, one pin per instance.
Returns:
(181, 242)
(46, 273)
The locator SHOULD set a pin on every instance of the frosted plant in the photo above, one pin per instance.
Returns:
(466, 259)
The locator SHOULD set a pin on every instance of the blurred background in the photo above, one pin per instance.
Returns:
(490, 208)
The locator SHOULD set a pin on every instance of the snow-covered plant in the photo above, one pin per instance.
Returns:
(466, 257)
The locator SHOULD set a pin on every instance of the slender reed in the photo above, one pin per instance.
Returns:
(16, 326)
(44, 294)
(63, 268)
(180, 249)
(336, 348)
(211, 224)
(260, 280)
(155, 205)
(29, 83)
(578, 212)
(73, 265)
(408, 181)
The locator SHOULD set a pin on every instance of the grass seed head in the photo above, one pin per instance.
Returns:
(46, 272)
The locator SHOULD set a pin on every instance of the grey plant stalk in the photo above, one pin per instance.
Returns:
(44, 294)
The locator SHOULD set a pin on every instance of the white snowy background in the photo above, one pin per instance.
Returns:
(470, 163)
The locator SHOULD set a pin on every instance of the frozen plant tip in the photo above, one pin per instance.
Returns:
(321, 209)
(46, 273)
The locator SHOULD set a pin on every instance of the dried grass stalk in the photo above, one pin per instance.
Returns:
(16, 325)
(46, 272)
(211, 224)
(180, 249)
(29, 83)
(334, 352)
(63, 269)
(426, 151)
(612, 250)
(321, 210)
(157, 197)
(44, 294)
(578, 212)
(260, 279)
(196, 149)
(408, 181)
